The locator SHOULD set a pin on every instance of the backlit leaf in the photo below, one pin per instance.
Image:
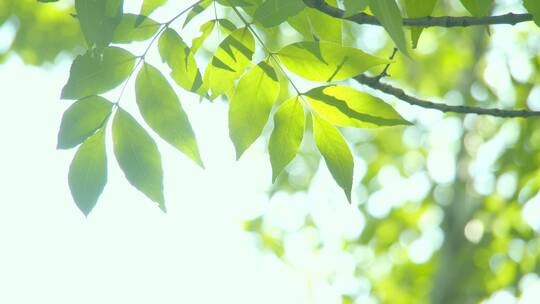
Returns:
(388, 13)
(98, 20)
(128, 31)
(162, 111)
(150, 6)
(230, 60)
(336, 153)
(346, 107)
(315, 25)
(274, 12)
(418, 9)
(94, 74)
(205, 30)
(251, 104)
(138, 157)
(289, 124)
(82, 119)
(178, 56)
(88, 172)
(326, 61)
(353, 7)
(196, 10)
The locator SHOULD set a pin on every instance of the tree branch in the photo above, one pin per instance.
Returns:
(374, 83)
(444, 21)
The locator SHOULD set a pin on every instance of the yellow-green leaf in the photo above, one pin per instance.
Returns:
(353, 7)
(150, 6)
(289, 125)
(418, 9)
(138, 157)
(82, 119)
(129, 31)
(88, 172)
(163, 112)
(336, 153)
(205, 30)
(196, 10)
(178, 56)
(389, 15)
(347, 107)
(326, 61)
(93, 74)
(315, 25)
(229, 62)
(251, 104)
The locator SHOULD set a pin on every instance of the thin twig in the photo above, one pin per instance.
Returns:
(384, 72)
(141, 58)
(270, 53)
(443, 21)
(374, 83)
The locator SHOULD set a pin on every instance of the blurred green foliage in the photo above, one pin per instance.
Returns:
(42, 31)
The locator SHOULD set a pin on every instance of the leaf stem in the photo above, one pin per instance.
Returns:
(270, 53)
(141, 58)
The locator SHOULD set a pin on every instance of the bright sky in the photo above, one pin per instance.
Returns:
(127, 251)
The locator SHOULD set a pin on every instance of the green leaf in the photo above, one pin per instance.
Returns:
(128, 31)
(138, 157)
(205, 30)
(251, 104)
(196, 10)
(336, 153)
(230, 61)
(346, 107)
(418, 9)
(94, 74)
(163, 112)
(477, 8)
(150, 6)
(289, 125)
(274, 12)
(175, 52)
(533, 7)
(315, 25)
(388, 13)
(98, 20)
(226, 26)
(82, 119)
(326, 61)
(353, 7)
(88, 172)
(238, 3)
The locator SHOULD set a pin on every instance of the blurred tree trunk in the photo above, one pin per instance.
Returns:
(456, 265)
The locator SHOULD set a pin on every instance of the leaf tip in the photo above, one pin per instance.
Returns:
(162, 206)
